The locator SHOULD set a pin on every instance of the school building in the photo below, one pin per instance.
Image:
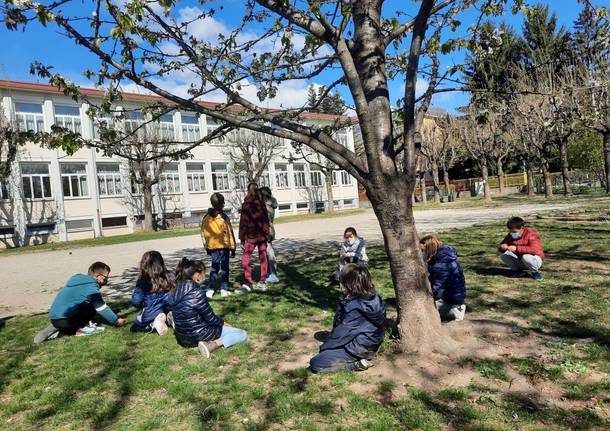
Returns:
(51, 196)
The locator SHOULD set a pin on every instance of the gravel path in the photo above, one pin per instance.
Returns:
(29, 281)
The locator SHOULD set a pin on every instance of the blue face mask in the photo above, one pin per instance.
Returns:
(515, 235)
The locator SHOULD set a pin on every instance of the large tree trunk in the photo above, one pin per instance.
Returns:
(419, 322)
(446, 181)
(531, 192)
(148, 204)
(437, 184)
(548, 181)
(328, 179)
(485, 175)
(422, 188)
(500, 167)
(607, 159)
(565, 173)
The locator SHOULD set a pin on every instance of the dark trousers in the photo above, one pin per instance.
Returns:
(68, 326)
(329, 361)
(220, 262)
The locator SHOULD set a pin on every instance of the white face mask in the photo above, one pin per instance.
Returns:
(351, 241)
(515, 235)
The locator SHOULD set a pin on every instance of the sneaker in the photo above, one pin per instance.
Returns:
(245, 288)
(90, 329)
(362, 364)
(48, 333)
(206, 348)
(537, 276)
(224, 293)
(272, 278)
(159, 324)
(261, 285)
(170, 320)
(209, 293)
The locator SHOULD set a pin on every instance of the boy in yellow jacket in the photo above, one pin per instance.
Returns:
(219, 243)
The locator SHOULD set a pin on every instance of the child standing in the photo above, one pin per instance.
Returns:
(522, 249)
(358, 327)
(446, 277)
(271, 205)
(150, 296)
(253, 233)
(219, 243)
(195, 323)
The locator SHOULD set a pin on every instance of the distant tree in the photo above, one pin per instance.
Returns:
(325, 101)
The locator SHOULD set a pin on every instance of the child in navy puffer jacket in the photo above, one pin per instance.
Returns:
(358, 328)
(150, 295)
(446, 277)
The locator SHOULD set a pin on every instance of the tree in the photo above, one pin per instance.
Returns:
(325, 101)
(479, 142)
(368, 47)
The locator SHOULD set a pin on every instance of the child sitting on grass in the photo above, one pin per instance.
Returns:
(195, 323)
(358, 328)
(150, 296)
(353, 250)
(446, 277)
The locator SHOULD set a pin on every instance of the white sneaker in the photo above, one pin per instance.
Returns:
(261, 286)
(224, 293)
(159, 324)
(244, 289)
(89, 330)
(209, 293)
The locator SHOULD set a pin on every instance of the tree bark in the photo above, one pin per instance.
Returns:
(437, 185)
(500, 166)
(148, 204)
(548, 181)
(422, 188)
(446, 181)
(485, 175)
(565, 173)
(531, 192)
(328, 179)
(606, 137)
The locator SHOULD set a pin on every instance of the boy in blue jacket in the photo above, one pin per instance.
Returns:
(358, 328)
(77, 303)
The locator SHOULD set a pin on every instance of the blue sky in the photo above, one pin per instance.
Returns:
(19, 49)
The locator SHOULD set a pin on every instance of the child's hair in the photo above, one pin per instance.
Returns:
(352, 230)
(153, 273)
(356, 280)
(217, 200)
(265, 193)
(187, 268)
(97, 267)
(431, 245)
(253, 190)
(515, 223)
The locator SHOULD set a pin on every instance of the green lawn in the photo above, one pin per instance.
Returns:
(119, 380)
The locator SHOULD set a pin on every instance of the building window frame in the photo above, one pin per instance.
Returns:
(220, 176)
(68, 117)
(282, 180)
(195, 178)
(169, 181)
(72, 181)
(33, 180)
(109, 177)
(27, 113)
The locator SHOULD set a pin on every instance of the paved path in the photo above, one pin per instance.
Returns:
(29, 281)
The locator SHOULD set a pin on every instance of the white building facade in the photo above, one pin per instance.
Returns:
(51, 196)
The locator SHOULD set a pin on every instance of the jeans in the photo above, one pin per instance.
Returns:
(231, 336)
(80, 319)
(220, 262)
(329, 361)
(245, 260)
(529, 262)
(271, 262)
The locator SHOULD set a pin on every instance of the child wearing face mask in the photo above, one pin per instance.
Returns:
(521, 250)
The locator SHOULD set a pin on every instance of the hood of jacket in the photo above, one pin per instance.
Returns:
(372, 308)
(213, 212)
(445, 254)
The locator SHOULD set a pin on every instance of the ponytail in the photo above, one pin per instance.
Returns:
(186, 268)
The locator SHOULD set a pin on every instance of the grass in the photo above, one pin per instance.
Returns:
(120, 380)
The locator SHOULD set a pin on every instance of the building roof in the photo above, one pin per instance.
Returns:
(148, 98)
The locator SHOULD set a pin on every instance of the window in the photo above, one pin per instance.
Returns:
(74, 179)
(68, 117)
(302, 206)
(191, 131)
(346, 179)
(213, 124)
(166, 127)
(109, 179)
(4, 195)
(195, 177)
(335, 175)
(341, 137)
(79, 225)
(36, 180)
(241, 182)
(7, 231)
(29, 117)
(284, 207)
(263, 181)
(348, 203)
(170, 179)
(114, 222)
(133, 120)
(299, 176)
(220, 177)
(281, 176)
(40, 229)
(106, 120)
(316, 178)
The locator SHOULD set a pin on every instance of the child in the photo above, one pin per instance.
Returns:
(353, 250)
(195, 323)
(271, 205)
(150, 295)
(358, 328)
(253, 233)
(219, 243)
(446, 277)
(522, 249)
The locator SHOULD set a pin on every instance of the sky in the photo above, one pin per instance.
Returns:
(47, 45)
